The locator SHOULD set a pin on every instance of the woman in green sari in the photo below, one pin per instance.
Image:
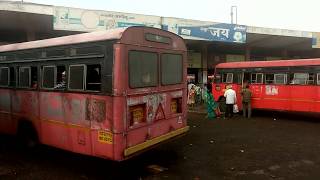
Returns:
(211, 104)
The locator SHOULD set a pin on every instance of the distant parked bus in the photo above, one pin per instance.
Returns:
(284, 85)
(108, 94)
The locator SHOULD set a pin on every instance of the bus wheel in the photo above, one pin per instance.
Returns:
(27, 135)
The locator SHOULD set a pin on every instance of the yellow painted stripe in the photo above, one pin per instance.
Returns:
(148, 143)
(68, 125)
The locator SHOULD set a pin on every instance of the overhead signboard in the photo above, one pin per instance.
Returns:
(89, 20)
(74, 19)
(216, 32)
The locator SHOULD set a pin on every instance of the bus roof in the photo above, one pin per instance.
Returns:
(277, 63)
(129, 35)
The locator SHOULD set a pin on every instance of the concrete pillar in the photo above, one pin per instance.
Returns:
(204, 62)
(248, 54)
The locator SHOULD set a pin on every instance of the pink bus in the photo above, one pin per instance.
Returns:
(110, 94)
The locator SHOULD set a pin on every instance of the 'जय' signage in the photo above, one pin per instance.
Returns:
(216, 32)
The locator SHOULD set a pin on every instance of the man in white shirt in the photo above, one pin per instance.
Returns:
(231, 99)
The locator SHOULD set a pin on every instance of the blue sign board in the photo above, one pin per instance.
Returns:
(216, 32)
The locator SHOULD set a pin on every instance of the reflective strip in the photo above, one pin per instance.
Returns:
(148, 143)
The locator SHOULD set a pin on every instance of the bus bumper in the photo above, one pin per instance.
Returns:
(131, 150)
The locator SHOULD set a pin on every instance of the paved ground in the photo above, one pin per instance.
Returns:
(259, 148)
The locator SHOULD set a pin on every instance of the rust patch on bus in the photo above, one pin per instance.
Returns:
(95, 110)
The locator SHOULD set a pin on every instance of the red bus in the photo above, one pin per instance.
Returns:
(283, 85)
(110, 94)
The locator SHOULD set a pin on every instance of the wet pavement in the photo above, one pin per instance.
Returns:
(268, 146)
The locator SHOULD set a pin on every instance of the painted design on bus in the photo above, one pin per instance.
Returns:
(271, 90)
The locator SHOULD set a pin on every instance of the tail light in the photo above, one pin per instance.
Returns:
(176, 105)
(137, 114)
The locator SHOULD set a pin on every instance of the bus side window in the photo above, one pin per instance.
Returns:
(217, 78)
(257, 78)
(269, 78)
(318, 78)
(300, 78)
(4, 76)
(12, 77)
(48, 77)
(227, 78)
(24, 77)
(237, 78)
(280, 78)
(311, 79)
(76, 77)
(93, 77)
(61, 77)
(34, 77)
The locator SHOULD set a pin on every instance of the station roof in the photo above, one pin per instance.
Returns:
(24, 17)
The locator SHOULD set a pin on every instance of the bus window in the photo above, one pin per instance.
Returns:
(217, 78)
(61, 77)
(4, 76)
(34, 77)
(237, 78)
(48, 77)
(143, 69)
(227, 78)
(24, 77)
(76, 77)
(93, 77)
(311, 79)
(171, 69)
(269, 78)
(257, 78)
(300, 78)
(318, 78)
(280, 78)
(12, 77)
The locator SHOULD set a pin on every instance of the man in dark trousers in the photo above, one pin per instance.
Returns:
(231, 99)
(246, 101)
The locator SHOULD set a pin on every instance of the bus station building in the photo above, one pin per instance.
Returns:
(208, 43)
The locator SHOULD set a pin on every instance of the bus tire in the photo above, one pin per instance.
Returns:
(27, 135)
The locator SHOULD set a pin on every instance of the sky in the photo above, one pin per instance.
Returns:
(284, 14)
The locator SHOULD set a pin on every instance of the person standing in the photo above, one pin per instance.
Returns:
(231, 99)
(246, 101)
(192, 94)
(212, 106)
